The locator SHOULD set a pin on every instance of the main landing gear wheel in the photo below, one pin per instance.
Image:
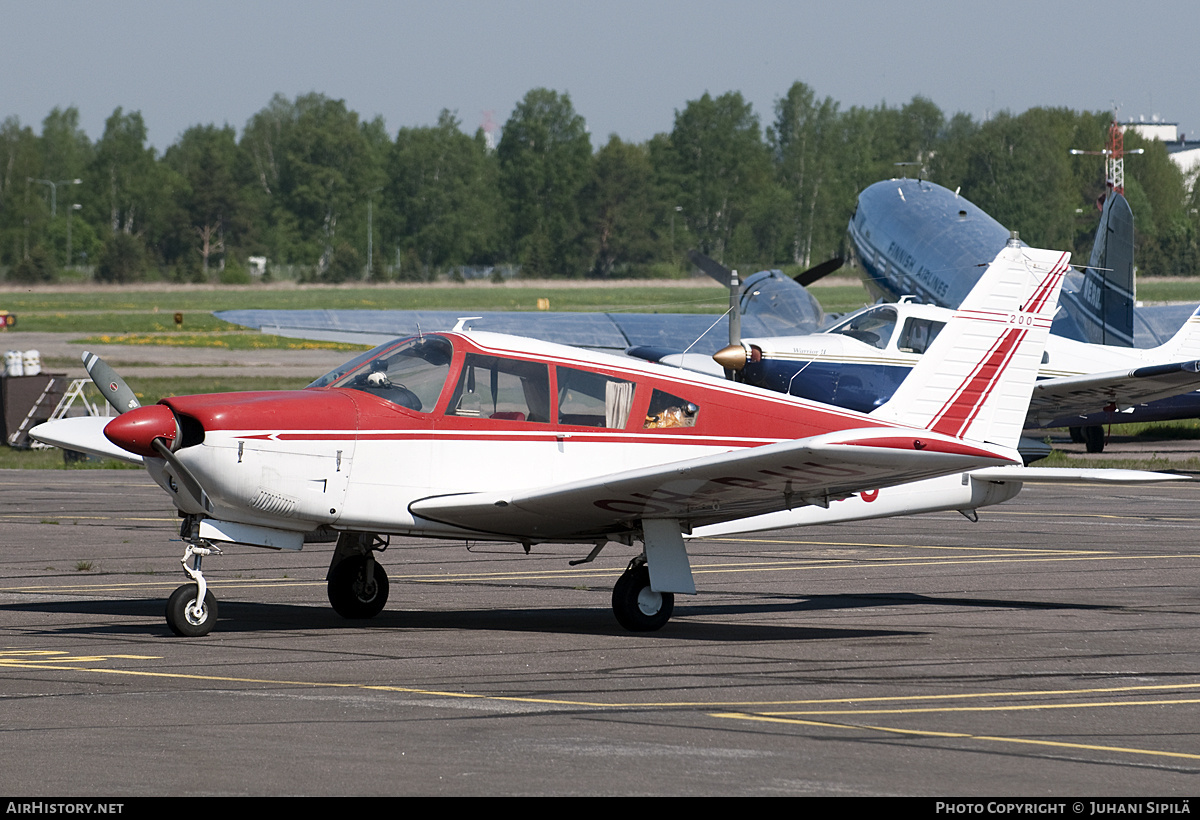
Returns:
(639, 608)
(185, 618)
(352, 594)
(1093, 438)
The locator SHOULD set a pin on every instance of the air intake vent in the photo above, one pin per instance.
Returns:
(274, 503)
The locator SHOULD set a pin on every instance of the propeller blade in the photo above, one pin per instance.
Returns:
(730, 279)
(110, 384)
(806, 278)
(710, 266)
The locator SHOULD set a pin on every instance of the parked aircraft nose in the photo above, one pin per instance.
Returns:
(732, 357)
(735, 357)
(137, 429)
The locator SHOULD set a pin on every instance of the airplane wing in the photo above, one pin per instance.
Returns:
(82, 433)
(703, 333)
(1116, 389)
(772, 305)
(713, 489)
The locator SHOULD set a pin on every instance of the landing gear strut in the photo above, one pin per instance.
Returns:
(357, 584)
(639, 608)
(192, 609)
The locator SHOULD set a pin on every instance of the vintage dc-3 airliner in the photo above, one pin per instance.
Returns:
(479, 436)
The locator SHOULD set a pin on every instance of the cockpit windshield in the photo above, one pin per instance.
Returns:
(873, 326)
(407, 372)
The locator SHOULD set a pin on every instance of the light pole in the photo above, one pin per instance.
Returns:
(371, 228)
(54, 190)
(678, 209)
(74, 207)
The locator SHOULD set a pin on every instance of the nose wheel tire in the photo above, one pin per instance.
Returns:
(185, 618)
(639, 608)
(354, 595)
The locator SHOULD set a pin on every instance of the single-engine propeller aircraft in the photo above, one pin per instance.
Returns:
(478, 436)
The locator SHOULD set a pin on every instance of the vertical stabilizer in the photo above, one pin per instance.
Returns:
(1103, 306)
(976, 379)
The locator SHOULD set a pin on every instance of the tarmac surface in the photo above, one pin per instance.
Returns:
(1048, 650)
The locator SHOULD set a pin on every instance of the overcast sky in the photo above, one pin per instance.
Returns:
(628, 65)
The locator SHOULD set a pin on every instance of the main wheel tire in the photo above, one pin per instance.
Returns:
(639, 608)
(352, 594)
(1076, 434)
(1093, 439)
(183, 621)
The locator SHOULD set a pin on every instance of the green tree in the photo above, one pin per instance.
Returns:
(544, 156)
(623, 218)
(135, 192)
(314, 169)
(1020, 170)
(22, 213)
(206, 160)
(66, 149)
(442, 188)
(802, 141)
(36, 268)
(123, 259)
(717, 159)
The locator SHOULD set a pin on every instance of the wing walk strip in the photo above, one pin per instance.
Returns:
(61, 661)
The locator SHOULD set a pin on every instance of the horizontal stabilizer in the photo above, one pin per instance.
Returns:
(1071, 475)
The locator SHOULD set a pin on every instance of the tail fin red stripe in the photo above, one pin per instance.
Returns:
(955, 419)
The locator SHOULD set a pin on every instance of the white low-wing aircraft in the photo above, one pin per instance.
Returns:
(859, 361)
(480, 436)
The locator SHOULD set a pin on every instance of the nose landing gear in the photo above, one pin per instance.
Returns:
(192, 609)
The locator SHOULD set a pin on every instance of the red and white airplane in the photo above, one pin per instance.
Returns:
(478, 436)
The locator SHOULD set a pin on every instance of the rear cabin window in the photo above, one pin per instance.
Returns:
(587, 399)
(918, 335)
(490, 387)
(668, 411)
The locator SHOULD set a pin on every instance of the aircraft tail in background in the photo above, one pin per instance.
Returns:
(1103, 306)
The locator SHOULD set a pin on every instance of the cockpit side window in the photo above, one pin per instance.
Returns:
(873, 326)
(408, 372)
(491, 387)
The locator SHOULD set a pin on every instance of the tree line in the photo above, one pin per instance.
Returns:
(326, 195)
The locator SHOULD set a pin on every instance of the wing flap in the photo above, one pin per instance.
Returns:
(717, 488)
